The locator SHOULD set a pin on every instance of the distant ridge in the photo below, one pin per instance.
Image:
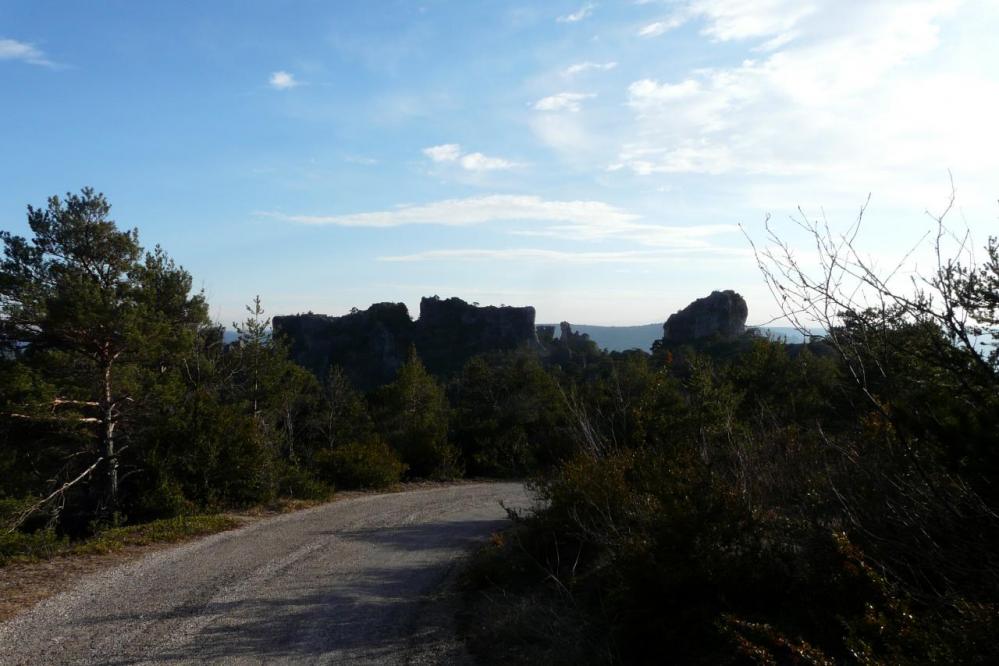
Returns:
(641, 336)
(620, 338)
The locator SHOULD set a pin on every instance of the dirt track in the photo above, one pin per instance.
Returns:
(349, 582)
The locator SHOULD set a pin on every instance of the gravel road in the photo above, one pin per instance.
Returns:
(355, 581)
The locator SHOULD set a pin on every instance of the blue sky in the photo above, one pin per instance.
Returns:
(593, 159)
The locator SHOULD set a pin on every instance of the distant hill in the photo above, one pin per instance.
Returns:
(620, 338)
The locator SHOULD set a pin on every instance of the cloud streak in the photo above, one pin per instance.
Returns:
(655, 235)
(560, 256)
(583, 67)
(12, 49)
(658, 28)
(583, 12)
(564, 101)
(473, 211)
(576, 221)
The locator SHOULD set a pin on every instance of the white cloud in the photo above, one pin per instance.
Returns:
(728, 20)
(451, 152)
(581, 67)
(282, 80)
(474, 211)
(855, 98)
(737, 19)
(560, 256)
(446, 152)
(480, 162)
(564, 101)
(11, 49)
(648, 91)
(582, 13)
(661, 27)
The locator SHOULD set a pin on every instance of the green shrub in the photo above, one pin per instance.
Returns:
(371, 464)
(39, 545)
(517, 614)
(168, 530)
(297, 483)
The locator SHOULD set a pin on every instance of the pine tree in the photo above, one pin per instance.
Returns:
(413, 417)
(82, 288)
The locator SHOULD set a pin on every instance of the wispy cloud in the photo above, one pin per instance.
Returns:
(11, 49)
(473, 211)
(582, 67)
(282, 80)
(728, 20)
(564, 101)
(577, 221)
(562, 256)
(661, 27)
(583, 12)
(452, 152)
(653, 235)
(363, 160)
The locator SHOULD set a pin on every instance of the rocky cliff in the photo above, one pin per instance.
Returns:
(451, 331)
(370, 345)
(720, 315)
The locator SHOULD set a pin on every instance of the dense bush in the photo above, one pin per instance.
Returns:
(509, 416)
(758, 512)
(369, 464)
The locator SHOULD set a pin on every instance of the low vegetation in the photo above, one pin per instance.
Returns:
(46, 544)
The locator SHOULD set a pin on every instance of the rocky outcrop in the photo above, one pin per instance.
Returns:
(451, 331)
(370, 345)
(721, 315)
(571, 347)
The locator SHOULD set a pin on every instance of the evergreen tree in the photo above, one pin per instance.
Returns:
(83, 289)
(412, 413)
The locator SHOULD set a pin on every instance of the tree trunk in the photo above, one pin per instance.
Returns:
(108, 420)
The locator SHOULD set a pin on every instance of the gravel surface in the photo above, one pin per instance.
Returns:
(356, 581)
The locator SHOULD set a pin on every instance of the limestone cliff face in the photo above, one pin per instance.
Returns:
(451, 331)
(721, 314)
(372, 344)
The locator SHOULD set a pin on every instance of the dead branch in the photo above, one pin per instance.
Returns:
(60, 419)
(58, 493)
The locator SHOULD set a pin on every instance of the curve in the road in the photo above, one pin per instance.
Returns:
(345, 582)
